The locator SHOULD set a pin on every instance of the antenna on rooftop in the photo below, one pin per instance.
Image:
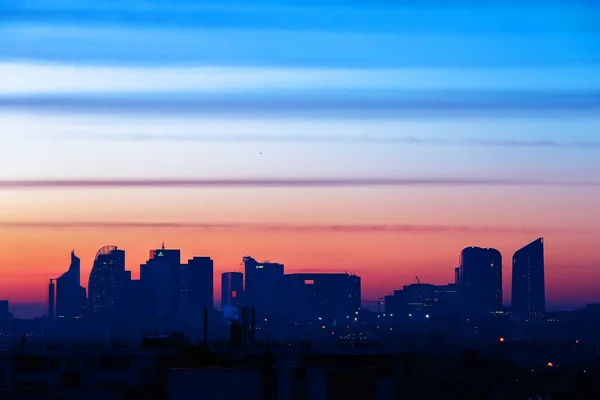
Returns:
(163, 245)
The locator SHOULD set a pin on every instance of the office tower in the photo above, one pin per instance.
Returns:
(319, 297)
(106, 281)
(456, 276)
(4, 309)
(161, 274)
(199, 285)
(70, 295)
(5, 317)
(262, 281)
(480, 276)
(51, 301)
(528, 287)
(232, 286)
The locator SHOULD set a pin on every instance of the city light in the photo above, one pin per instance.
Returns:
(502, 339)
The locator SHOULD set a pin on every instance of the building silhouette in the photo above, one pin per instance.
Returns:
(232, 288)
(70, 295)
(480, 277)
(261, 284)
(161, 275)
(107, 282)
(198, 276)
(51, 300)
(321, 297)
(528, 286)
(422, 300)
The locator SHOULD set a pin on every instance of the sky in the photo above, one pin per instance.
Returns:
(368, 137)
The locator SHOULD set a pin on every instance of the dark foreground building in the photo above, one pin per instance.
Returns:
(528, 287)
(480, 277)
(262, 282)
(319, 297)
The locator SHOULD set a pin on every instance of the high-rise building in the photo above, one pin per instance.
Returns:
(162, 275)
(5, 317)
(528, 286)
(198, 276)
(106, 283)
(480, 277)
(261, 285)
(70, 295)
(232, 287)
(51, 300)
(319, 297)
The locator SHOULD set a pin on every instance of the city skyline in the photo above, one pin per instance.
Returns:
(368, 301)
(374, 138)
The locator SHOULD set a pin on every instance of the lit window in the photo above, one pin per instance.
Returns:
(309, 282)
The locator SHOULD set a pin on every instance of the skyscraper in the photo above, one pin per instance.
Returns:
(199, 285)
(70, 295)
(106, 281)
(528, 286)
(161, 274)
(51, 300)
(480, 277)
(232, 286)
(262, 281)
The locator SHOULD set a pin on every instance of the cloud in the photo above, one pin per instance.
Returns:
(56, 79)
(294, 228)
(276, 183)
(323, 138)
(342, 103)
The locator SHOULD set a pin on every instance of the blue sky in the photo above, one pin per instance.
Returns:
(445, 87)
(432, 83)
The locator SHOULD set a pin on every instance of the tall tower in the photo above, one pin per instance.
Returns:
(106, 281)
(70, 295)
(262, 282)
(51, 301)
(528, 285)
(199, 276)
(480, 277)
(162, 274)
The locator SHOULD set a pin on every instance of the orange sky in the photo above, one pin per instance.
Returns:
(386, 261)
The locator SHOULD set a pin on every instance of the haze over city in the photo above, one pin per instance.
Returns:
(487, 128)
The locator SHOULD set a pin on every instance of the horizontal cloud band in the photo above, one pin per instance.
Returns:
(255, 227)
(389, 139)
(275, 183)
(349, 104)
